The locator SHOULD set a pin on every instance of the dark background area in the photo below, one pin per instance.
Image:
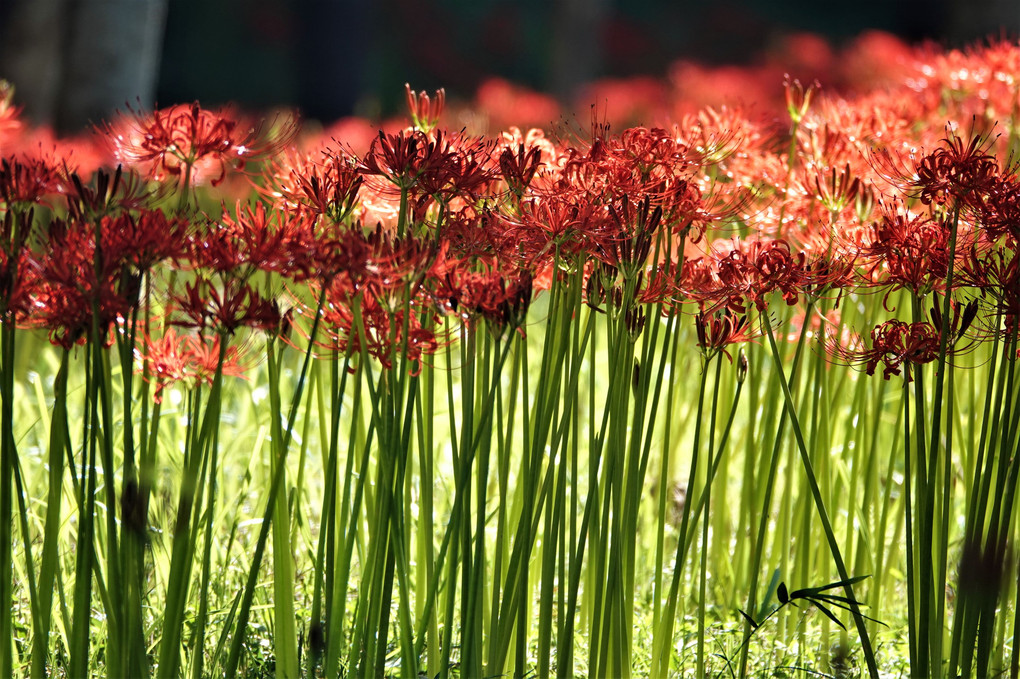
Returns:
(76, 61)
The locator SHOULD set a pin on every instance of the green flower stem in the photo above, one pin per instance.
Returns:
(869, 655)
(326, 548)
(662, 643)
(247, 594)
(758, 551)
(349, 510)
(665, 480)
(8, 453)
(59, 445)
(707, 497)
(81, 616)
(932, 585)
(182, 551)
(285, 630)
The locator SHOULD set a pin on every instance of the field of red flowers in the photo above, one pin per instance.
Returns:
(503, 388)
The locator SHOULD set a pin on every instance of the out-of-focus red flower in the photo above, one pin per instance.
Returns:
(189, 138)
(10, 118)
(873, 60)
(188, 359)
(506, 105)
(327, 183)
(804, 55)
(626, 102)
(694, 86)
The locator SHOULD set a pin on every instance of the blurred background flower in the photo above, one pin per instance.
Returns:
(75, 62)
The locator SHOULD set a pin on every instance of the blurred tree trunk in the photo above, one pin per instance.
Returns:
(577, 51)
(971, 20)
(75, 62)
(31, 37)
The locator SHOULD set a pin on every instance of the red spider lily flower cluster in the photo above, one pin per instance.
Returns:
(747, 272)
(848, 193)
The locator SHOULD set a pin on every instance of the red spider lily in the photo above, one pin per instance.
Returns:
(909, 251)
(958, 172)
(519, 167)
(995, 272)
(555, 225)
(550, 156)
(396, 269)
(226, 308)
(387, 333)
(425, 112)
(27, 181)
(387, 284)
(374, 264)
(139, 241)
(469, 172)
(893, 343)
(639, 162)
(75, 285)
(327, 187)
(699, 279)
(255, 238)
(498, 297)
(467, 233)
(636, 229)
(402, 158)
(296, 244)
(189, 359)
(107, 194)
(835, 190)
(960, 321)
(77, 279)
(18, 273)
(751, 271)
(999, 213)
(181, 138)
(798, 97)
